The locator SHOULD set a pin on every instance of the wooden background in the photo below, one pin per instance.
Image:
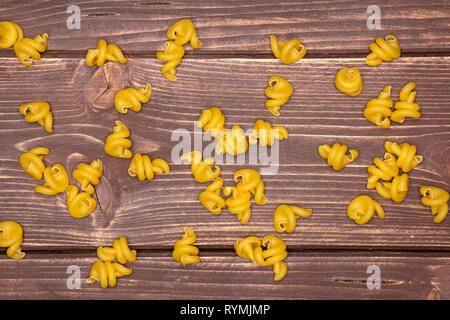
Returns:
(328, 253)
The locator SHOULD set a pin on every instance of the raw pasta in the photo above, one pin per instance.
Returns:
(81, 204)
(383, 50)
(143, 167)
(383, 169)
(117, 144)
(131, 98)
(173, 54)
(11, 236)
(107, 273)
(38, 111)
(203, 171)
(88, 175)
(28, 50)
(233, 141)
(211, 199)
(182, 32)
(378, 110)
(362, 208)
(266, 133)
(406, 153)
(287, 52)
(32, 162)
(349, 81)
(184, 251)
(278, 92)
(285, 216)
(56, 180)
(239, 203)
(212, 120)
(249, 180)
(10, 33)
(337, 156)
(119, 251)
(103, 52)
(437, 199)
(406, 107)
(396, 190)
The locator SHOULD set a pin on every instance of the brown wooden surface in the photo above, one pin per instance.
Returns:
(227, 73)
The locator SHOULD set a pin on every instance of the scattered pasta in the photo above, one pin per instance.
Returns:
(103, 52)
(285, 216)
(38, 111)
(212, 120)
(203, 171)
(249, 180)
(239, 203)
(184, 251)
(406, 107)
(383, 169)
(182, 32)
(32, 162)
(266, 133)
(119, 251)
(10, 33)
(362, 208)
(131, 98)
(88, 175)
(278, 92)
(337, 155)
(287, 52)
(56, 180)
(383, 50)
(378, 110)
(437, 199)
(11, 236)
(173, 54)
(233, 141)
(396, 190)
(81, 204)
(143, 167)
(349, 81)
(406, 153)
(28, 50)
(211, 199)
(107, 273)
(117, 144)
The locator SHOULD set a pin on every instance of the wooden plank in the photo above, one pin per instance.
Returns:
(236, 27)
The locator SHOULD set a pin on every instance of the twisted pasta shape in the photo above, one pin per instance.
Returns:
(184, 251)
(349, 81)
(266, 133)
(107, 273)
(81, 204)
(117, 143)
(32, 162)
(278, 92)
(88, 175)
(119, 251)
(383, 50)
(104, 52)
(395, 190)
(274, 255)
(362, 208)
(38, 111)
(285, 216)
(10, 33)
(383, 169)
(56, 180)
(232, 142)
(11, 236)
(211, 199)
(144, 168)
(28, 50)
(173, 54)
(249, 180)
(182, 32)
(337, 155)
(378, 110)
(212, 120)
(203, 171)
(406, 153)
(287, 52)
(131, 98)
(239, 203)
(406, 107)
(437, 199)
(250, 248)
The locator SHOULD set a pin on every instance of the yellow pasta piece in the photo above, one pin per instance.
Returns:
(212, 120)
(145, 168)
(11, 236)
(32, 162)
(396, 190)
(287, 52)
(285, 217)
(81, 204)
(250, 248)
(131, 98)
(88, 175)
(182, 32)
(383, 50)
(117, 143)
(266, 133)
(349, 81)
(38, 111)
(233, 141)
(173, 54)
(378, 110)
(184, 251)
(103, 52)
(239, 203)
(406, 153)
(278, 92)
(249, 180)
(56, 180)
(337, 155)
(406, 107)
(28, 50)
(10, 33)
(437, 199)
(203, 171)
(211, 199)
(383, 169)
(119, 251)
(274, 255)
(362, 208)
(107, 273)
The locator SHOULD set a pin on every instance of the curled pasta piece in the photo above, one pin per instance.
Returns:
(28, 50)
(117, 143)
(107, 273)
(274, 254)
(81, 204)
(437, 199)
(212, 120)
(239, 203)
(378, 110)
(211, 199)
(266, 133)
(406, 153)
(383, 50)
(337, 155)
(184, 251)
(233, 141)
(383, 169)
(119, 251)
(203, 171)
(349, 81)
(287, 52)
(406, 107)
(145, 168)
(250, 248)
(182, 32)
(11, 236)
(249, 180)
(285, 217)
(278, 92)
(38, 111)
(10, 33)
(56, 180)
(88, 175)
(362, 208)
(131, 98)
(32, 162)
(103, 52)
(396, 190)
(173, 54)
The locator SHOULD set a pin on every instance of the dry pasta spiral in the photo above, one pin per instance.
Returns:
(437, 199)
(337, 156)
(28, 50)
(383, 50)
(183, 250)
(287, 52)
(249, 180)
(211, 199)
(88, 175)
(81, 204)
(131, 98)
(145, 168)
(250, 248)
(10, 33)
(56, 180)
(274, 255)
(378, 110)
(382, 169)
(103, 52)
(203, 171)
(232, 141)
(278, 92)
(119, 251)
(32, 162)
(11, 236)
(406, 153)
(239, 203)
(266, 133)
(117, 144)
(396, 190)
(349, 81)
(38, 111)
(107, 273)
(362, 208)
(285, 216)
(182, 32)
(173, 54)
(213, 120)
(406, 107)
